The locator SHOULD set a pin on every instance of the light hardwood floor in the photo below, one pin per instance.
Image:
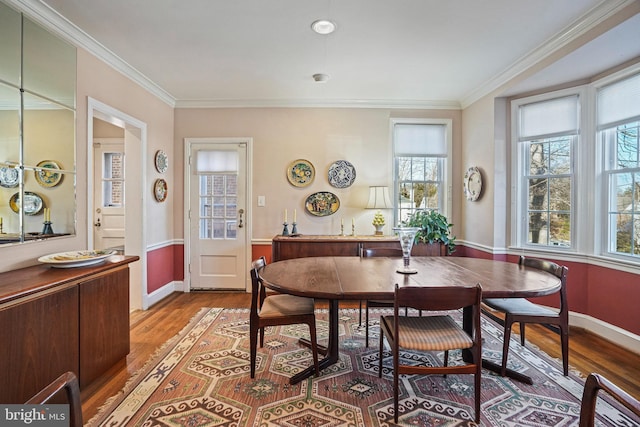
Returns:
(153, 327)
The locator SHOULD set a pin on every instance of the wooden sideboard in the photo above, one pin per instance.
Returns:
(54, 320)
(302, 246)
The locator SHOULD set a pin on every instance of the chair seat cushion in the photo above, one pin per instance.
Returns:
(286, 305)
(519, 306)
(429, 333)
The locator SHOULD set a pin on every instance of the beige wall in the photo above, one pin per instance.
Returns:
(319, 135)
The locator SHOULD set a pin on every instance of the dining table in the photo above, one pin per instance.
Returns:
(339, 278)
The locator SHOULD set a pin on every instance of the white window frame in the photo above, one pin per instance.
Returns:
(580, 219)
(602, 242)
(447, 173)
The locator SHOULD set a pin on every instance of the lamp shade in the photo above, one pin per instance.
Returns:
(379, 198)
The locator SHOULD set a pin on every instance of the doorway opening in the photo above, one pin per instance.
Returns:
(135, 142)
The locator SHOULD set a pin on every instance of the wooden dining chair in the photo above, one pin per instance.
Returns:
(592, 386)
(69, 383)
(376, 252)
(433, 333)
(275, 310)
(523, 311)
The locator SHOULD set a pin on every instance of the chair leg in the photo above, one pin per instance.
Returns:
(253, 343)
(314, 347)
(360, 314)
(477, 390)
(564, 340)
(522, 341)
(396, 391)
(380, 353)
(366, 325)
(261, 337)
(505, 345)
(445, 362)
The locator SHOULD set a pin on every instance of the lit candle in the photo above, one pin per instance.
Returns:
(294, 215)
(341, 221)
(285, 215)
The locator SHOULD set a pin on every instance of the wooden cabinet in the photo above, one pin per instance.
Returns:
(39, 342)
(104, 323)
(285, 247)
(55, 320)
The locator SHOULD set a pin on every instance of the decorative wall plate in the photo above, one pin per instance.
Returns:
(33, 203)
(160, 190)
(48, 177)
(301, 173)
(342, 174)
(9, 177)
(472, 183)
(322, 203)
(162, 161)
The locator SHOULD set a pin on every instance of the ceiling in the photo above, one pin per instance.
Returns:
(409, 53)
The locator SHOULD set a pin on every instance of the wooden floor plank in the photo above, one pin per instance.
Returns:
(152, 328)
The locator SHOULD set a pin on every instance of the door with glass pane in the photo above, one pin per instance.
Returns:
(217, 216)
(109, 185)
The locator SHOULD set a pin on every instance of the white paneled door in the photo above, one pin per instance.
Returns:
(109, 187)
(217, 217)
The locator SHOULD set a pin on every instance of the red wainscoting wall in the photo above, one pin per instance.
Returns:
(603, 293)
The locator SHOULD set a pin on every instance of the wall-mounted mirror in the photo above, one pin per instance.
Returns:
(37, 131)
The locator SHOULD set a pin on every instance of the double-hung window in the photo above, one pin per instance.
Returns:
(546, 138)
(618, 121)
(422, 166)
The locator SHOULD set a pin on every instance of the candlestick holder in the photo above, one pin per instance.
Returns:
(353, 229)
(341, 230)
(285, 230)
(294, 228)
(47, 229)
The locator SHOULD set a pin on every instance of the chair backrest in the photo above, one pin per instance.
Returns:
(560, 271)
(434, 298)
(69, 383)
(258, 292)
(595, 383)
(374, 252)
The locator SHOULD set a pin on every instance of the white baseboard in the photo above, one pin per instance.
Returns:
(159, 294)
(615, 334)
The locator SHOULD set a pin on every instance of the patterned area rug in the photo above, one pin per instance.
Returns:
(201, 378)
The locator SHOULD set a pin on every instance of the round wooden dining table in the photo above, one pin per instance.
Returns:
(361, 278)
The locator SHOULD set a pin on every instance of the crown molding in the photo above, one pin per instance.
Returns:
(319, 103)
(579, 27)
(62, 27)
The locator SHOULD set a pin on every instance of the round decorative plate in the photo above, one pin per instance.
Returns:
(48, 177)
(32, 206)
(322, 203)
(162, 161)
(76, 258)
(9, 177)
(160, 190)
(472, 183)
(342, 174)
(301, 173)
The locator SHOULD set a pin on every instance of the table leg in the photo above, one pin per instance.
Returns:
(467, 356)
(331, 351)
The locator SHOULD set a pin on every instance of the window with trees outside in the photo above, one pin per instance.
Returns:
(546, 136)
(422, 156)
(618, 121)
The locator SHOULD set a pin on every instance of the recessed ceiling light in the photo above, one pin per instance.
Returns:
(320, 78)
(323, 26)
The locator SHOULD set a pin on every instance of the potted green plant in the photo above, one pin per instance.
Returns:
(434, 229)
